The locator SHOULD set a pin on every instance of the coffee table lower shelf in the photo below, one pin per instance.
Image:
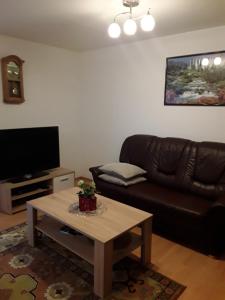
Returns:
(82, 245)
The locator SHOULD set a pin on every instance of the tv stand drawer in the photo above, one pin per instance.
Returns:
(63, 182)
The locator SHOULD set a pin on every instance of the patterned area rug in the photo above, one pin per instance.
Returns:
(51, 272)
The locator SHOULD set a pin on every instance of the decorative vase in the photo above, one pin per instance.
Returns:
(87, 204)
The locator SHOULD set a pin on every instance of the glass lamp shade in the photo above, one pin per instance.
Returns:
(130, 27)
(147, 23)
(114, 30)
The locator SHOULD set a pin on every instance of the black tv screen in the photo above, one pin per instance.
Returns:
(28, 151)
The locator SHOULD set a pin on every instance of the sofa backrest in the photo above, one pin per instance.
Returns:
(190, 166)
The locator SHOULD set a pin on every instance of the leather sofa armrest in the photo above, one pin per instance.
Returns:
(216, 226)
(95, 172)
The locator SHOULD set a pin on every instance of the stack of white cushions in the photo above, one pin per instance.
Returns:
(122, 174)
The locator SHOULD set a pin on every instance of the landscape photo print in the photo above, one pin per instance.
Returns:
(197, 79)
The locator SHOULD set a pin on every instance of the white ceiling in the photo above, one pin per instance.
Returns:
(82, 24)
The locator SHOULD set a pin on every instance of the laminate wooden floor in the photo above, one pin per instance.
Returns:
(204, 276)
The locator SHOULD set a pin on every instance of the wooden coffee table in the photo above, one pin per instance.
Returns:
(96, 244)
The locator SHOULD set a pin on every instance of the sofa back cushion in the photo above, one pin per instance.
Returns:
(170, 157)
(210, 163)
(135, 150)
(206, 169)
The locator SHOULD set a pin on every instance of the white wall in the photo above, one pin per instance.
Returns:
(122, 91)
(51, 93)
(100, 97)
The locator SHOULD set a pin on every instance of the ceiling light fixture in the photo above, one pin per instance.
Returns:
(147, 21)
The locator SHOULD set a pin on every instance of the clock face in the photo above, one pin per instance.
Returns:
(13, 71)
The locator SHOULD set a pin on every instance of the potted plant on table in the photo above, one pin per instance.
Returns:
(87, 198)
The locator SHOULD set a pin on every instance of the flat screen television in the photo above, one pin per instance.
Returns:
(25, 152)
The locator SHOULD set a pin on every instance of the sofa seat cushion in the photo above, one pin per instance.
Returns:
(158, 200)
(170, 199)
(176, 215)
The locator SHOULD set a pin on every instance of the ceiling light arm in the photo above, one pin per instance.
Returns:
(141, 16)
(118, 15)
(131, 14)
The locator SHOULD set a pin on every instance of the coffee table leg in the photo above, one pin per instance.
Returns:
(31, 222)
(103, 268)
(147, 242)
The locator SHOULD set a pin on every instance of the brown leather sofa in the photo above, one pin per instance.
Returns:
(185, 189)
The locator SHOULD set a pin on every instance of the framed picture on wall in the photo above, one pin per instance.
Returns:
(197, 79)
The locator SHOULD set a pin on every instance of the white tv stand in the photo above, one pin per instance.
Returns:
(13, 196)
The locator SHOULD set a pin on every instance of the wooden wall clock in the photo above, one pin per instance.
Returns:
(12, 79)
